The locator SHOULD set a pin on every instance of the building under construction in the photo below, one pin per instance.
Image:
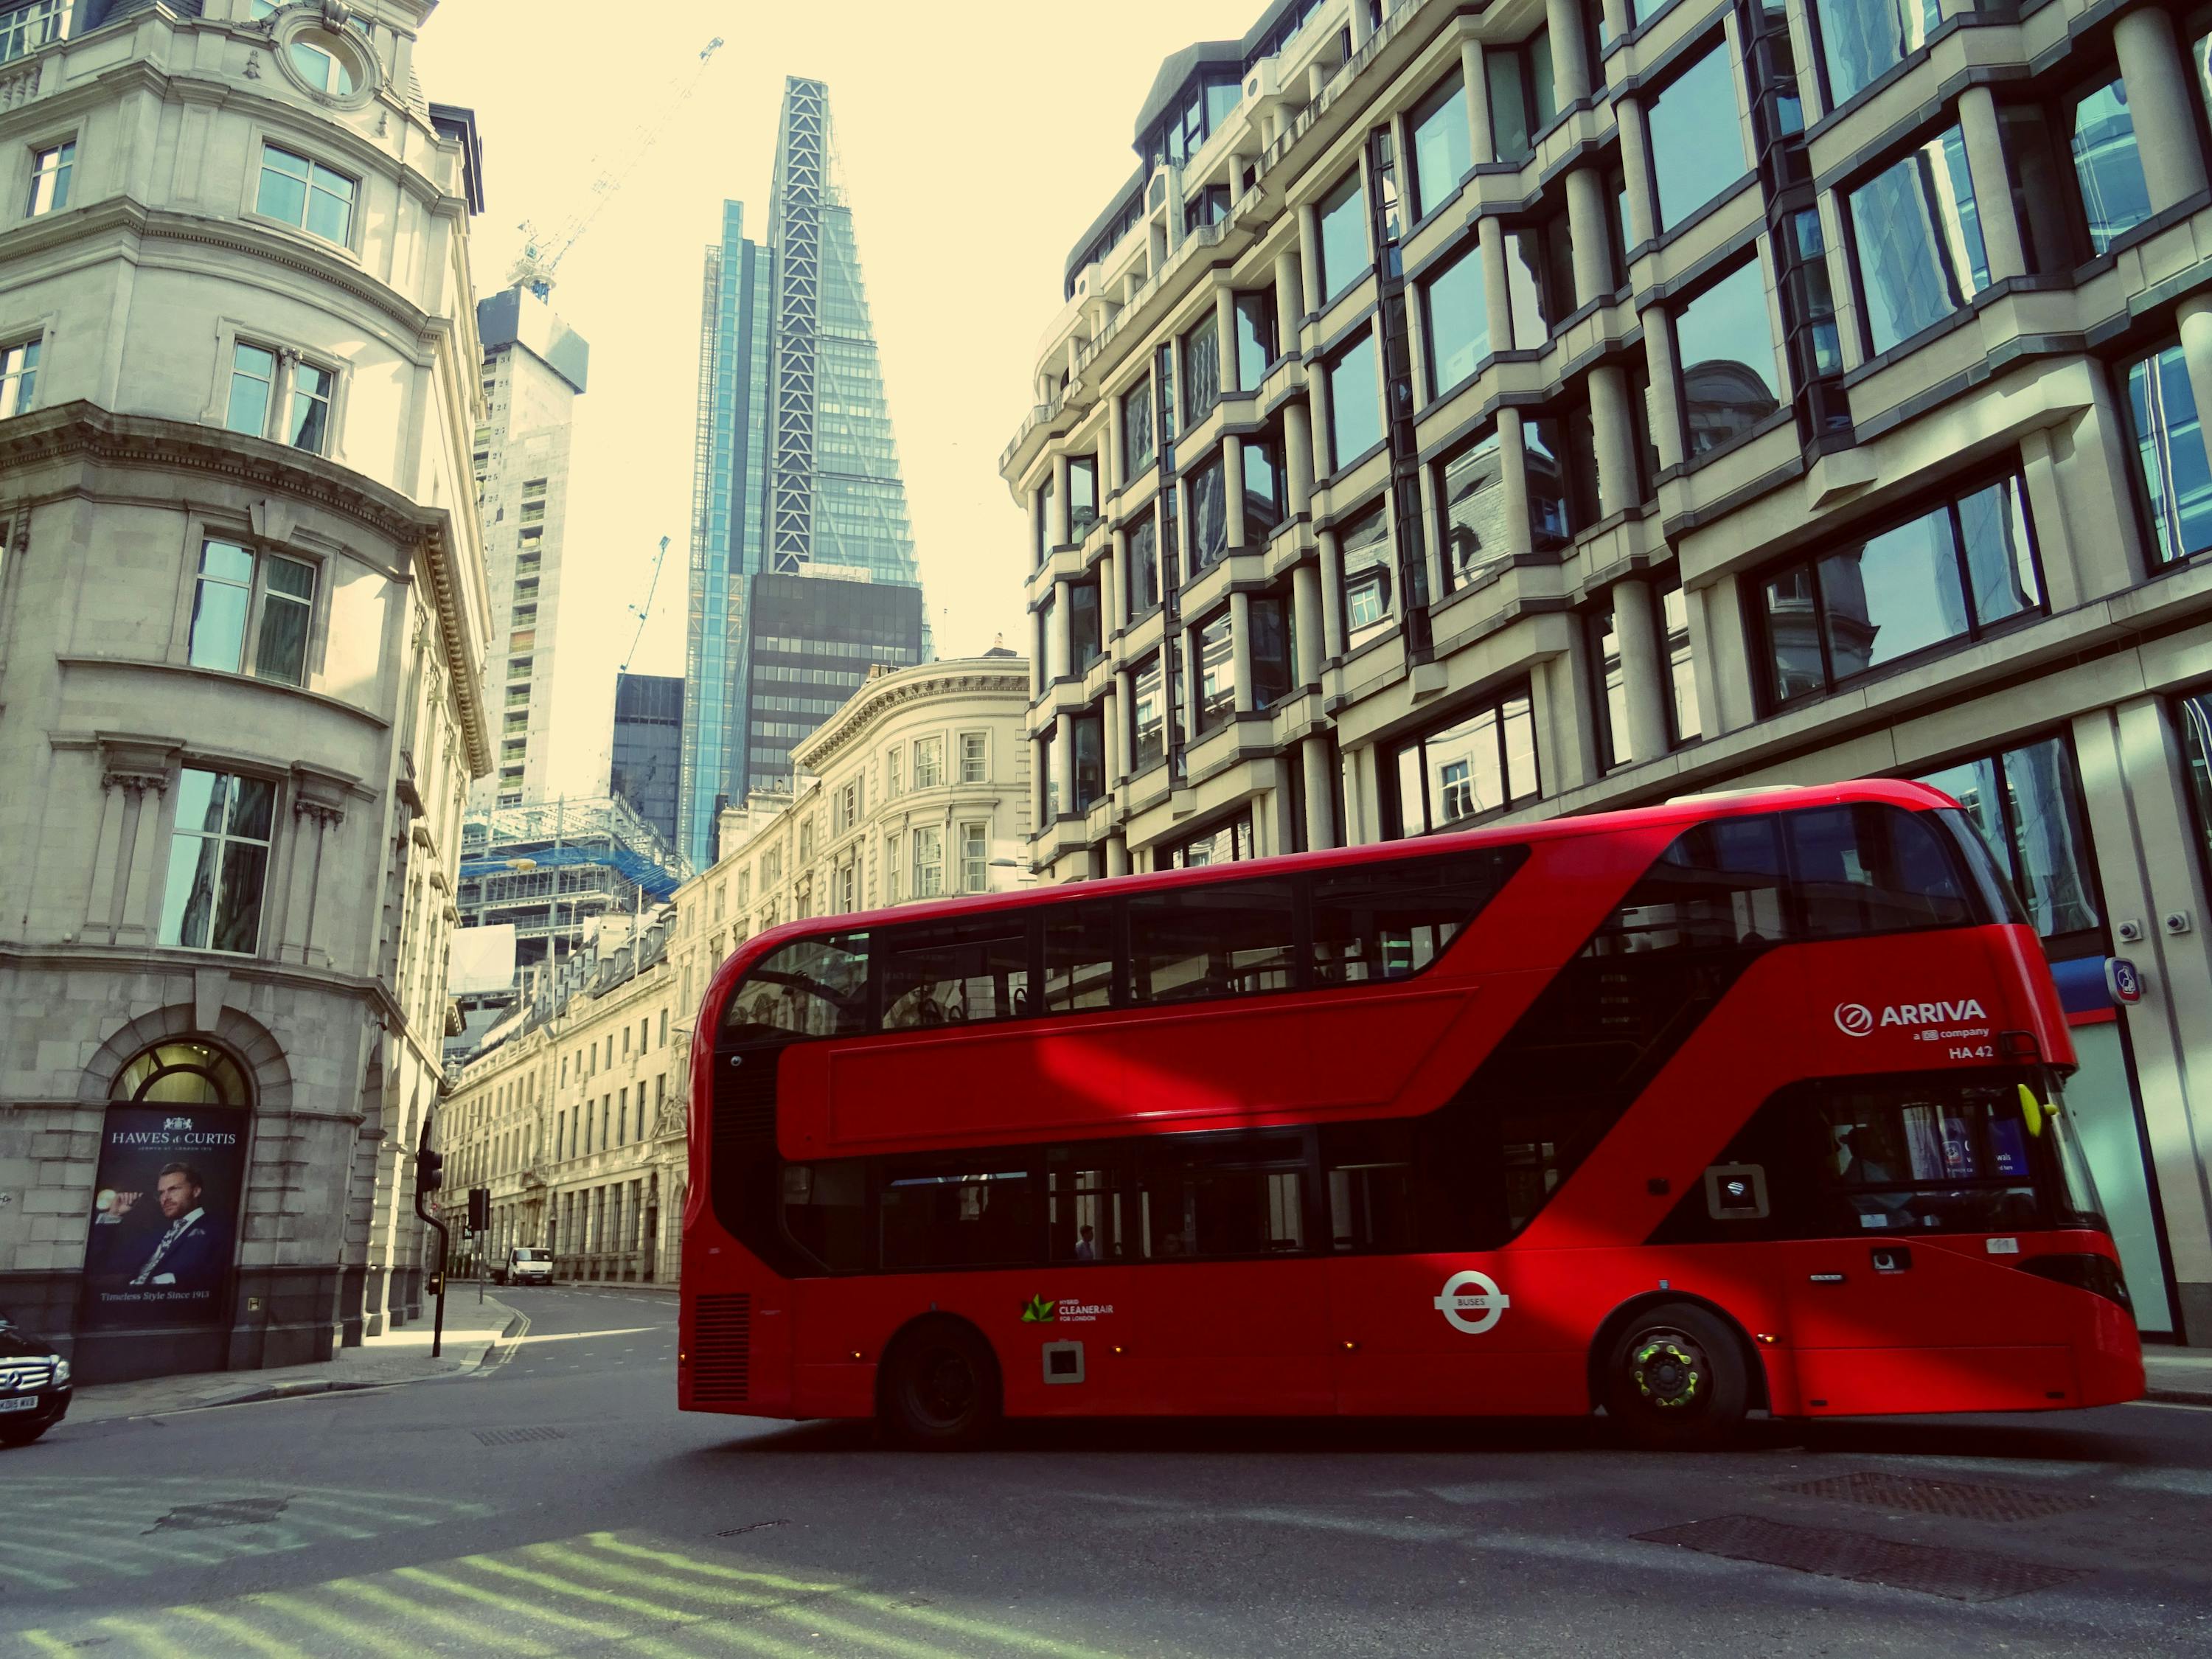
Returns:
(557, 872)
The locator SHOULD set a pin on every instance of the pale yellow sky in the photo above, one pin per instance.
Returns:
(977, 143)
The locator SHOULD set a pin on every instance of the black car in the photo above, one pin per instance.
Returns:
(35, 1386)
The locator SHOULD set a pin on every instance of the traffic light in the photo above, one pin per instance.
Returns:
(429, 1170)
(479, 1209)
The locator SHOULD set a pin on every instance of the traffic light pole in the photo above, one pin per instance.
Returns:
(427, 1171)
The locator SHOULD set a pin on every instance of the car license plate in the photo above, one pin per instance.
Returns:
(26, 1402)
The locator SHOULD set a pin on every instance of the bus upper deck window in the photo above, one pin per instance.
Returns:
(1869, 868)
(811, 987)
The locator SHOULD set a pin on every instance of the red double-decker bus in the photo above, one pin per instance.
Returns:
(1745, 1102)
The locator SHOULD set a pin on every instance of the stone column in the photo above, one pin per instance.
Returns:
(1063, 631)
(1513, 482)
(1332, 597)
(1665, 412)
(1985, 164)
(1478, 100)
(1240, 651)
(1569, 57)
(1643, 675)
(1113, 586)
(1299, 467)
(1614, 426)
(1117, 444)
(2195, 316)
(1720, 657)
(1040, 781)
(1496, 298)
(2160, 104)
(1225, 323)
(1306, 622)
(1290, 301)
(1310, 259)
(1432, 548)
(1591, 234)
(1636, 165)
(1232, 490)
(1063, 760)
(1325, 459)
(1123, 761)
(1619, 22)
(1320, 791)
(1055, 528)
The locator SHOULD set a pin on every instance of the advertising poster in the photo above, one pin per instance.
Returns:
(163, 1233)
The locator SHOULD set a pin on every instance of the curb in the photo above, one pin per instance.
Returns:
(2179, 1396)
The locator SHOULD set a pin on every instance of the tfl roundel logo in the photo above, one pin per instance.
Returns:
(1854, 1018)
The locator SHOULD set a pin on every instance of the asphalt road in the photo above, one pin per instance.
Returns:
(559, 1504)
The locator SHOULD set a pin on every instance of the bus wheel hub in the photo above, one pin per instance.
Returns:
(1669, 1371)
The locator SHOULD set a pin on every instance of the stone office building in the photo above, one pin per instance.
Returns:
(1470, 415)
(243, 621)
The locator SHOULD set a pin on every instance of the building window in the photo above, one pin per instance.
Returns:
(892, 781)
(2028, 804)
(218, 861)
(1343, 237)
(1683, 723)
(1725, 345)
(307, 194)
(293, 409)
(975, 756)
(2193, 711)
(1355, 402)
(1612, 689)
(2114, 198)
(1523, 96)
(323, 64)
(928, 762)
(1255, 338)
(890, 870)
(929, 862)
(1217, 672)
(1136, 429)
(1454, 321)
(1144, 567)
(1084, 636)
(29, 26)
(1272, 648)
(1948, 574)
(1861, 40)
(1559, 453)
(1148, 730)
(1539, 280)
(1443, 150)
(1201, 372)
(19, 377)
(2170, 454)
(1209, 514)
(232, 587)
(1227, 842)
(1088, 730)
(1370, 577)
(1082, 495)
(1696, 138)
(1916, 238)
(1475, 540)
(1263, 489)
(1481, 761)
(974, 858)
(49, 178)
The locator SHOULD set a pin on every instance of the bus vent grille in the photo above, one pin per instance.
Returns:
(745, 1109)
(721, 1350)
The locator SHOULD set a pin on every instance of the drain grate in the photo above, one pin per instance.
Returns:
(232, 1512)
(1930, 1569)
(1960, 1499)
(512, 1436)
(750, 1526)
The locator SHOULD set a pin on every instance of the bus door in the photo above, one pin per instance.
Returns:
(1913, 1301)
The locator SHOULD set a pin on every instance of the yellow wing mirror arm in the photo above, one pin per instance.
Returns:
(2033, 1111)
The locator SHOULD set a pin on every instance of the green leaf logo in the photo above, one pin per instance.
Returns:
(1039, 1312)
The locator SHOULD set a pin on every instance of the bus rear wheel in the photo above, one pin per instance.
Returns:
(940, 1388)
(1675, 1378)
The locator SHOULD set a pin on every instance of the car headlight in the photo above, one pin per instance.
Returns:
(61, 1371)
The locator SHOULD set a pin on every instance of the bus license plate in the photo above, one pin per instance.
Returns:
(27, 1402)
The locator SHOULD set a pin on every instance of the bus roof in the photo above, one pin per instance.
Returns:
(1683, 810)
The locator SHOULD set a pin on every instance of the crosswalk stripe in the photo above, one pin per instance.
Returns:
(509, 1604)
(240, 1633)
(362, 1635)
(607, 1541)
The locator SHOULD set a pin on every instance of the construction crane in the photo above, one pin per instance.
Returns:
(642, 611)
(542, 254)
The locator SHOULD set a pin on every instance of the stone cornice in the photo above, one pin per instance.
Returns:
(75, 958)
(877, 698)
(84, 430)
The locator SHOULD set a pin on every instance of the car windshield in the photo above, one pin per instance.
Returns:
(530, 1255)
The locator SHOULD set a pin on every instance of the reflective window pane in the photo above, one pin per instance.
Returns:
(1370, 579)
(1918, 239)
(1144, 566)
(2170, 451)
(1475, 540)
(2000, 558)
(1443, 149)
(2050, 867)
(1234, 939)
(1454, 321)
(1255, 338)
(1343, 237)
(1355, 402)
(1891, 595)
(1148, 715)
(2114, 198)
(1217, 679)
(221, 598)
(1860, 39)
(1724, 342)
(1696, 138)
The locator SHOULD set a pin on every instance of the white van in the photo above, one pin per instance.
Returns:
(527, 1265)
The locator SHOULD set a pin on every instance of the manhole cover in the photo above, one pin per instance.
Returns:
(232, 1512)
(1930, 1569)
(510, 1436)
(1960, 1499)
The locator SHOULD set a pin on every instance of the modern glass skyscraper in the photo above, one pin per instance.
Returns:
(803, 573)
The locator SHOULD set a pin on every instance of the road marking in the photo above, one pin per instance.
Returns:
(2168, 1405)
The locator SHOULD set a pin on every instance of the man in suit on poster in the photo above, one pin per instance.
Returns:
(193, 1252)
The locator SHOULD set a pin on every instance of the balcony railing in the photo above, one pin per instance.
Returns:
(25, 29)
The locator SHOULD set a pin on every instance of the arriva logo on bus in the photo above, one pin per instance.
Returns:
(1856, 1019)
(1485, 1300)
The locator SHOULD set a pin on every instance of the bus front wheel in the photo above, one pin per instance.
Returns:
(940, 1388)
(1676, 1377)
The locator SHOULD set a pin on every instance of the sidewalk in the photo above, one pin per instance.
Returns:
(2181, 1377)
(475, 1336)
